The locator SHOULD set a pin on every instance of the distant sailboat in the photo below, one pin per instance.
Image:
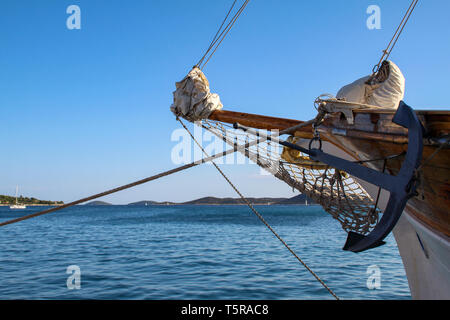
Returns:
(17, 205)
(306, 201)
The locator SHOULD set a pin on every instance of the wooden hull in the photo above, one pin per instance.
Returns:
(423, 231)
(374, 136)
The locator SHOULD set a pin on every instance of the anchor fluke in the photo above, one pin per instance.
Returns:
(353, 238)
(403, 184)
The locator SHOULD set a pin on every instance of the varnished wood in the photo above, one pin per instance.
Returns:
(256, 121)
(374, 136)
(432, 204)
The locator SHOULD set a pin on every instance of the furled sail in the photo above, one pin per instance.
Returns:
(192, 99)
(384, 89)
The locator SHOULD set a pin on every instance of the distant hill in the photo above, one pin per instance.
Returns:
(27, 201)
(300, 199)
(98, 203)
(229, 201)
(297, 200)
(150, 203)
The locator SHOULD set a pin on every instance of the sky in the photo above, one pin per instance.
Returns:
(85, 110)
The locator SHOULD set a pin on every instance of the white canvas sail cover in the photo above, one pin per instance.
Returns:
(385, 90)
(192, 99)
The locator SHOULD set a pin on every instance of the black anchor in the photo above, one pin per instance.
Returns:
(401, 187)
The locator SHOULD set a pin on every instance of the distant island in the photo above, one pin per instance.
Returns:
(8, 200)
(98, 203)
(297, 200)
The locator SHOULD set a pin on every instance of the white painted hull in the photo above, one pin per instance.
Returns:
(426, 257)
(425, 252)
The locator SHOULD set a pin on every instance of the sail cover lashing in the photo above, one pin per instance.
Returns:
(192, 99)
(337, 192)
(384, 89)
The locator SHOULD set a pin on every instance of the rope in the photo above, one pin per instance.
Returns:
(348, 104)
(127, 186)
(217, 40)
(260, 217)
(441, 146)
(124, 187)
(148, 179)
(387, 52)
(217, 33)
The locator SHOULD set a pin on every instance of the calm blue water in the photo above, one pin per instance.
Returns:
(188, 252)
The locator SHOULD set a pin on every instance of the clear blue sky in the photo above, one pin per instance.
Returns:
(86, 110)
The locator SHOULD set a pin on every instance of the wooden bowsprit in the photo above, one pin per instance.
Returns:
(401, 187)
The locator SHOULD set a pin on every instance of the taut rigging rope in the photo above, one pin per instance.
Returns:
(260, 217)
(148, 179)
(398, 32)
(124, 187)
(214, 40)
(217, 40)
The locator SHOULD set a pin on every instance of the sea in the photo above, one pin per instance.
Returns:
(189, 252)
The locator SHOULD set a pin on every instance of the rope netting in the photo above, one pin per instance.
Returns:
(337, 192)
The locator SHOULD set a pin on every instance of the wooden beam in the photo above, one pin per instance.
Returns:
(256, 121)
